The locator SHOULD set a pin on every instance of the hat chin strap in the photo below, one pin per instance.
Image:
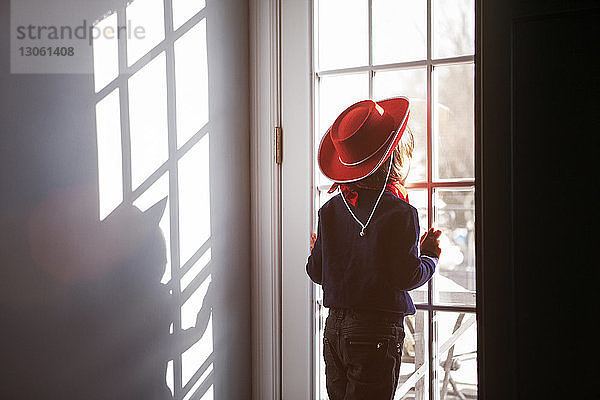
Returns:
(364, 226)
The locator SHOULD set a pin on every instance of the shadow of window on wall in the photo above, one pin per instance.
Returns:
(152, 123)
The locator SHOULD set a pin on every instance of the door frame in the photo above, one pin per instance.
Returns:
(282, 208)
(265, 198)
(296, 200)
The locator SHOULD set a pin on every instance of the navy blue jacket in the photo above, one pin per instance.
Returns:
(372, 272)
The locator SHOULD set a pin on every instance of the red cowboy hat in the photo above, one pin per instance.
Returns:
(362, 137)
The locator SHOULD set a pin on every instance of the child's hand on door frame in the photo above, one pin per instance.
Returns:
(313, 239)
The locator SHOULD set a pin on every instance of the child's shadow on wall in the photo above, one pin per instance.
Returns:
(111, 336)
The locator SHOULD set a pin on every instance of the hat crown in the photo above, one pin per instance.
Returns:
(352, 121)
(360, 131)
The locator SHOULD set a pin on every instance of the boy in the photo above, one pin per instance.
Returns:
(366, 261)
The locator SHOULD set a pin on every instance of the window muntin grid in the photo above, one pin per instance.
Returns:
(150, 146)
(443, 196)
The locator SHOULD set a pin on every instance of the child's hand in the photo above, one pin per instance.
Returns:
(313, 239)
(430, 243)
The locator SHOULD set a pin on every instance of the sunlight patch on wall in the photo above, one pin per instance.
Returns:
(209, 392)
(191, 77)
(193, 314)
(183, 10)
(169, 378)
(191, 308)
(110, 166)
(195, 270)
(149, 16)
(194, 199)
(194, 357)
(106, 54)
(148, 120)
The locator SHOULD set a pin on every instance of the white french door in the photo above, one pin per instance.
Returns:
(335, 52)
(297, 208)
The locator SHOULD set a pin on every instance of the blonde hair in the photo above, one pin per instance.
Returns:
(401, 165)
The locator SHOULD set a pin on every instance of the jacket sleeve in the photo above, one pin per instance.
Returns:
(314, 266)
(414, 270)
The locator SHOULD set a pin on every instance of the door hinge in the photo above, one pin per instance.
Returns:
(278, 145)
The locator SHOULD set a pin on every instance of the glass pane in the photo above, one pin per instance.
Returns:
(455, 217)
(183, 10)
(343, 32)
(453, 28)
(156, 192)
(456, 344)
(194, 199)
(454, 125)
(191, 77)
(399, 31)
(106, 53)
(411, 83)
(418, 199)
(110, 166)
(146, 27)
(414, 368)
(148, 119)
(336, 93)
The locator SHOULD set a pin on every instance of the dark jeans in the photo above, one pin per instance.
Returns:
(362, 351)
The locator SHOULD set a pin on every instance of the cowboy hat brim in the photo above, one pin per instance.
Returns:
(330, 163)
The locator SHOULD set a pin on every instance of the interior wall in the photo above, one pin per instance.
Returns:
(537, 287)
(48, 147)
